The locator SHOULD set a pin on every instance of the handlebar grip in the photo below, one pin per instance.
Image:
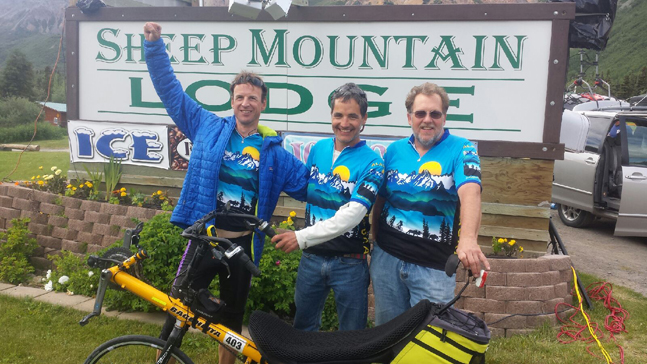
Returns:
(252, 268)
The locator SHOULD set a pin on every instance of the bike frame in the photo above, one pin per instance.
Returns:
(176, 308)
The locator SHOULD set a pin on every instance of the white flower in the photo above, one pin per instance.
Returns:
(48, 177)
(54, 168)
(63, 279)
(92, 286)
(49, 286)
(90, 273)
(58, 171)
(49, 274)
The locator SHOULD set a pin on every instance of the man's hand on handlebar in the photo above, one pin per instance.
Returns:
(286, 241)
(471, 256)
(152, 31)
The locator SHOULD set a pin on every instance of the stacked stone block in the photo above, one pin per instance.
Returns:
(530, 288)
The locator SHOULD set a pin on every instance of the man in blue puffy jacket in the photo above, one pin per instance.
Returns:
(234, 160)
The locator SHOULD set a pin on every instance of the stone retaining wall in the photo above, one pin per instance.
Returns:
(520, 286)
(66, 223)
(514, 286)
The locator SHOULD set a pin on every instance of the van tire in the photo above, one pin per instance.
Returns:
(573, 217)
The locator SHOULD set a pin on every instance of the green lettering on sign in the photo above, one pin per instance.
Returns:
(382, 57)
(410, 42)
(130, 48)
(104, 43)
(318, 51)
(503, 45)
(193, 88)
(305, 98)
(277, 48)
(452, 53)
(136, 95)
(218, 47)
(187, 48)
(333, 51)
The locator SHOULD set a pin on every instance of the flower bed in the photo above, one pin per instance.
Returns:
(67, 223)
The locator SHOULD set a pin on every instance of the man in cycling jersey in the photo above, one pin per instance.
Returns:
(431, 179)
(345, 175)
(234, 160)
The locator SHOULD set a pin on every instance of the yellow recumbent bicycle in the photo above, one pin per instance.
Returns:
(446, 334)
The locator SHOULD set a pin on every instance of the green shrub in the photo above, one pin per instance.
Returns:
(273, 291)
(15, 247)
(165, 247)
(81, 279)
(16, 111)
(23, 133)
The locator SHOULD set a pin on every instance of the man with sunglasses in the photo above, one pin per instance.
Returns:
(234, 161)
(432, 189)
(345, 175)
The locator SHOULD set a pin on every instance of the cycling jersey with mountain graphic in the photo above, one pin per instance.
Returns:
(238, 178)
(356, 176)
(419, 221)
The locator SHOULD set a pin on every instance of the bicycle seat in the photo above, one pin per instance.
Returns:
(279, 342)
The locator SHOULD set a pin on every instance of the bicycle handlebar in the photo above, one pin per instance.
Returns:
(196, 231)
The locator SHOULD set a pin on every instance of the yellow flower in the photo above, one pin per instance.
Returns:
(40, 183)
(53, 168)
(68, 186)
(284, 222)
(88, 184)
(123, 189)
(512, 242)
(73, 188)
(33, 177)
(38, 175)
(123, 194)
(520, 249)
(289, 219)
(500, 240)
(293, 214)
(41, 167)
(81, 185)
(162, 198)
(58, 171)
(159, 192)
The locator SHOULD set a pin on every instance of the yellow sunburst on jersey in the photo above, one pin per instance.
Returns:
(343, 173)
(253, 152)
(433, 168)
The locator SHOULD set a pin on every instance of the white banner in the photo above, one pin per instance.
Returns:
(495, 72)
(142, 145)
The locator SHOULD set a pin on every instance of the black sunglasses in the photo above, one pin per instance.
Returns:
(420, 114)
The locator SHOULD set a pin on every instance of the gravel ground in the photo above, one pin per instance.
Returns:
(595, 250)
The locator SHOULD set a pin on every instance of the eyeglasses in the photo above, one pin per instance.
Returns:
(420, 114)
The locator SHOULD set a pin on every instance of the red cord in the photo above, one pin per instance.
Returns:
(613, 323)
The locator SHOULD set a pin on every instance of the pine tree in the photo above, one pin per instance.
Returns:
(425, 229)
(392, 221)
(399, 226)
(17, 76)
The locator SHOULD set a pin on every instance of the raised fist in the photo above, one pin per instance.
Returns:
(152, 31)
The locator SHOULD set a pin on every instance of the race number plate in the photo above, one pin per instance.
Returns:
(235, 342)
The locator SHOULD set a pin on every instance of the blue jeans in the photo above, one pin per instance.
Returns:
(347, 277)
(398, 285)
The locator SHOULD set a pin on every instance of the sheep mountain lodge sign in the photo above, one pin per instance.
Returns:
(496, 67)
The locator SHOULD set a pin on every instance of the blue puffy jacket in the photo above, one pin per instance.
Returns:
(278, 169)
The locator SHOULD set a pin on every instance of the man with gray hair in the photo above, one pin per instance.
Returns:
(345, 175)
(432, 189)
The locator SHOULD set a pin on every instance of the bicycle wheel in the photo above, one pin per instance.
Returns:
(133, 349)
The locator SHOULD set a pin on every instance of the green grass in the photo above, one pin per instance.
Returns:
(35, 332)
(29, 163)
(51, 144)
(542, 346)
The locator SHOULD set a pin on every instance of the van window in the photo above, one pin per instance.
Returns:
(637, 144)
(597, 132)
